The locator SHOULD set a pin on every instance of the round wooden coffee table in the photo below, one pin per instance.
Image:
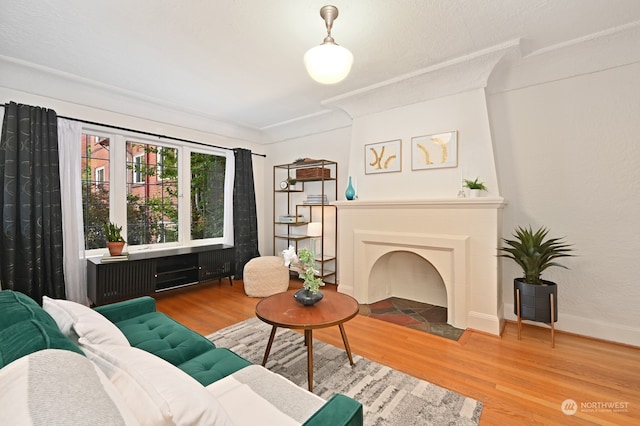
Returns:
(282, 310)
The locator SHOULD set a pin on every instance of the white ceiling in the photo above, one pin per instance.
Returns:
(240, 61)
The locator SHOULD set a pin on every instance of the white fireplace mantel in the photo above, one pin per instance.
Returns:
(458, 203)
(458, 236)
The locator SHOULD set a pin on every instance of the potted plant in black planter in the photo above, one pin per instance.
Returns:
(534, 252)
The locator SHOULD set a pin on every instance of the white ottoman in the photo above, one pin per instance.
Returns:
(264, 276)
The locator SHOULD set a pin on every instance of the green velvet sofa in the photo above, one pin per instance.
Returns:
(63, 332)
(155, 332)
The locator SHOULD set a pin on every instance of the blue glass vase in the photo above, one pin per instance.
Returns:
(350, 193)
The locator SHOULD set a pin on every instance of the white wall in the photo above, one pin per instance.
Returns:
(568, 155)
(465, 112)
(333, 146)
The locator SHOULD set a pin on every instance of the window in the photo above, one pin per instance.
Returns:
(160, 163)
(95, 193)
(138, 168)
(99, 176)
(207, 195)
(136, 184)
(152, 208)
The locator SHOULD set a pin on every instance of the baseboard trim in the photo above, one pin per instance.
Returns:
(587, 327)
(486, 323)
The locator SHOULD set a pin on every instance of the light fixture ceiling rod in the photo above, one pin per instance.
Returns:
(329, 14)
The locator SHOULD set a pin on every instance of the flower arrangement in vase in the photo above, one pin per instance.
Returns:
(304, 262)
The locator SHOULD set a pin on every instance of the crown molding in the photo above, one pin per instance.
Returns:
(614, 47)
(447, 78)
(38, 80)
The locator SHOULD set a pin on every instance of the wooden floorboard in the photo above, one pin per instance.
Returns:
(519, 381)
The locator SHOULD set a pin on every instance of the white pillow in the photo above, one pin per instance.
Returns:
(60, 316)
(158, 392)
(54, 386)
(82, 323)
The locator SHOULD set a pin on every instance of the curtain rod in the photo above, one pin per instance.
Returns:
(142, 132)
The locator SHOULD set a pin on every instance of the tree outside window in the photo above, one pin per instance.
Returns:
(152, 194)
(207, 195)
(95, 193)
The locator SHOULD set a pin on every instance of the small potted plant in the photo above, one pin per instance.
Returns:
(288, 184)
(305, 263)
(292, 182)
(534, 252)
(475, 187)
(115, 242)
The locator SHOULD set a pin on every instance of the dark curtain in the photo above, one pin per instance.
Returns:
(245, 220)
(31, 241)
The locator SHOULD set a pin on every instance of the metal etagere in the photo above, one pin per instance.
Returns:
(303, 212)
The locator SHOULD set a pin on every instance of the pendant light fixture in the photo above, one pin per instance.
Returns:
(328, 63)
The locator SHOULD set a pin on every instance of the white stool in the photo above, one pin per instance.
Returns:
(264, 276)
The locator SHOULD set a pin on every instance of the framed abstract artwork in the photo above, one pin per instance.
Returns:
(383, 157)
(434, 151)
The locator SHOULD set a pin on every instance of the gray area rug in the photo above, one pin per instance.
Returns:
(389, 397)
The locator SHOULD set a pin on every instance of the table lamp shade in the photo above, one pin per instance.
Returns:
(314, 229)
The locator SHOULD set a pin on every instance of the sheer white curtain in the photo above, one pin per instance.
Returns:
(1, 121)
(75, 264)
(229, 177)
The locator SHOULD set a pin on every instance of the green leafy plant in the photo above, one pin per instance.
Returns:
(292, 181)
(534, 253)
(474, 184)
(309, 271)
(113, 232)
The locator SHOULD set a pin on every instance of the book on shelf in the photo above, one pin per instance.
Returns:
(316, 199)
(120, 258)
(291, 218)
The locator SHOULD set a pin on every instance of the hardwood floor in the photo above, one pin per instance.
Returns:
(519, 382)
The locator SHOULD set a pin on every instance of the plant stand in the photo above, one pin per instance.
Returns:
(553, 320)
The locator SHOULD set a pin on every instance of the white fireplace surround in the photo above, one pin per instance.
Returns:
(458, 237)
(447, 253)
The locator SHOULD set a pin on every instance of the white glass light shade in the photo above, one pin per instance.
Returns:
(328, 63)
(314, 229)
